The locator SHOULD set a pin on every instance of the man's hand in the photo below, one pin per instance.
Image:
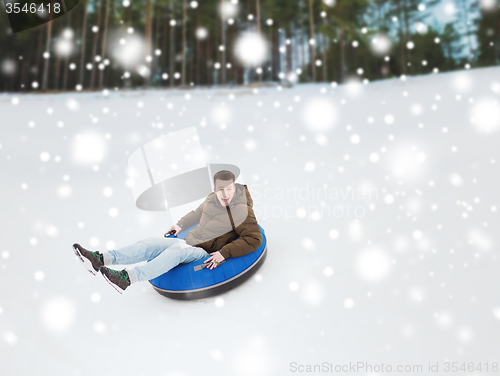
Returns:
(175, 228)
(214, 257)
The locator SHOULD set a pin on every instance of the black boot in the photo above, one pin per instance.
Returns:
(119, 279)
(91, 260)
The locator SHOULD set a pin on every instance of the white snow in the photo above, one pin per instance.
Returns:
(373, 264)
(58, 314)
(251, 49)
(319, 114)
(425, 239)
(89, 147)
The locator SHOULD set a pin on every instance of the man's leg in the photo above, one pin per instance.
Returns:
(143, 250)
(164, 253)
(166, 260)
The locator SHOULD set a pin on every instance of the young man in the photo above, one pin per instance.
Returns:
(224, 216)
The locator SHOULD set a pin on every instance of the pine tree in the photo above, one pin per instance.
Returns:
(468, 8)
(488, 36)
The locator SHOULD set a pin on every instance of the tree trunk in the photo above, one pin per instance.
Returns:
(333, 69)
(47, 49)
(184, 21)
(198, 52)
(165, 44)
(65, 78)
(288, 35)
(26, 73)
(323, 48)
(312, 39)
(231, 57)
(206, 69)
(58, 61)
(82, 49)
(257, 6)
(467, 31)
(191, 78)
(223, 44)
(130, 10)
(156, 63)
(148, 28)
(103, 42)
(302, 33)
(407, 34)
(421, 53)
(95, 43)
(172, 47)
(401, 39)
(497, 44)
(276, 61)
(39, 52)
(381, 25)
(342, 55)
(342, 47)
(262, 76)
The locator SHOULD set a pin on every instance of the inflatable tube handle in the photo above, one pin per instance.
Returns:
(203, 266)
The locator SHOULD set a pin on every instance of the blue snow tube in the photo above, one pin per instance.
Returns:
(185, 283)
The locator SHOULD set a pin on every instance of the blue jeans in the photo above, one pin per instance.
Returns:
(164, 253)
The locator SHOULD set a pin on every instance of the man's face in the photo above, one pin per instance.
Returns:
(224, 189)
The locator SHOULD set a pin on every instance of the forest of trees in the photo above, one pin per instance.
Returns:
(182, 43)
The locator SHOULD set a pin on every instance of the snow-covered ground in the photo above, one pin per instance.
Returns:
(379, 201)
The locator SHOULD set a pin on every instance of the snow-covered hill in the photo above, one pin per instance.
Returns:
(379, 201)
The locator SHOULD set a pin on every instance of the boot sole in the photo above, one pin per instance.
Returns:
(117, 288)
(86, 263)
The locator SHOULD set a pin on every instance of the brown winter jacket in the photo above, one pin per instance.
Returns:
(219, 226)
